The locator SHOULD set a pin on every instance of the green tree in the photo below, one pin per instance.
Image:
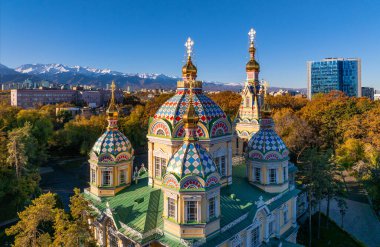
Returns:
(74, 230)
(33, 228)
(21, 147)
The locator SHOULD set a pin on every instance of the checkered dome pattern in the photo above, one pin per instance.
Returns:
(266, 140)
(112, 142)
(174, 108)
(191, 158)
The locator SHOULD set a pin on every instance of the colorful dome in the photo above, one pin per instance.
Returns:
(191, 159)
(266, 144)
(207, 110)
(113, 142)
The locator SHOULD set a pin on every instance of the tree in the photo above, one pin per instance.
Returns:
(44, 223)
(229, 102)
(295, 131)
(342, 205)
(313, 176)
(34, 227)
(74, 230)
(21, 147)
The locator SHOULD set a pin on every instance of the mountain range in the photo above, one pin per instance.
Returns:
(74, 75)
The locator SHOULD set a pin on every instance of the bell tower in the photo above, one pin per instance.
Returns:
(247, 120)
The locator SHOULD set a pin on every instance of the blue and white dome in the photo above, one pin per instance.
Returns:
(191, 159)
(266, 144)
(112, 142)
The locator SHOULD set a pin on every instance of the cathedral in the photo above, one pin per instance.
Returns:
(192, 193)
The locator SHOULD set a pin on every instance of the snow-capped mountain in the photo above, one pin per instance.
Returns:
(74, 75)
(57, 68)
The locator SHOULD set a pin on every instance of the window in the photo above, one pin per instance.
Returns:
(159, 166)
(247, 102)
(285, 213)
(271, 224)
(192, 211)
(211, 208)
(223, 165)
(93, 176)
(272, 176)
(284, 172)
(220, 163)
(255, 236)
(171, 208)
(122, 176)
(106, 178)
(257, 174)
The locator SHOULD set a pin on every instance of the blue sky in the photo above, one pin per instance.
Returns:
(149, 36)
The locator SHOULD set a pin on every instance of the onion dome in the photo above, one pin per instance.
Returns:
(191, 158)
(112, 141)
(252, 64)
(266, 144)
(212, 119)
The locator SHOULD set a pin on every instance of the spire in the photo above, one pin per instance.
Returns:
(189, 71)
(252, 65)
(266, 111)
(190, 120)
(112, 112)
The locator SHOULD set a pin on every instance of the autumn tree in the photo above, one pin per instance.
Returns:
(229, 102)
(295, 131)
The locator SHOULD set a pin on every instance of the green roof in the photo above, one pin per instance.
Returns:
(244, 195)
(140, 207)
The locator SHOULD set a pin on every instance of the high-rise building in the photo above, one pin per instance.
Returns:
(368, 92)
(343, 74)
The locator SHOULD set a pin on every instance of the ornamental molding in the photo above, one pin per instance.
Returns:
(235, 222)
(160, 153)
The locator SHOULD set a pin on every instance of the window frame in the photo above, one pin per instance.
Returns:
(191, 217)
(171, 208)
(212, 207)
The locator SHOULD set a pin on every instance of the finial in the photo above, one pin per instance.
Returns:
(266, 86)
(113, 87)
(252, 35)
(189, 71)
(189, 46)
(112, 112)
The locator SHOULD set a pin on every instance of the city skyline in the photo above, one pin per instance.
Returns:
(149, 37)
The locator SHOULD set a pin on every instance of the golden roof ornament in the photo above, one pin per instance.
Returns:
(190, 119)
(112, 111)
(252, 64)
(189, 71)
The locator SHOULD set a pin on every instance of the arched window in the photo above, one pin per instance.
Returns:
(247, 102)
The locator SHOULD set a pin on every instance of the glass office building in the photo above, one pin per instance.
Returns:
(334, 74)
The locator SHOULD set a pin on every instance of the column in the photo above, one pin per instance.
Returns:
(150, 164)
(266, 231)
(278, 222)
(294, 211)
(229, 155)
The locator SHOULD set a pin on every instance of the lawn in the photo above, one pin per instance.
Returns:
(333, 236)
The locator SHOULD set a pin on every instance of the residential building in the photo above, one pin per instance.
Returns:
(376, 95)
(343, 74)
(28, 98)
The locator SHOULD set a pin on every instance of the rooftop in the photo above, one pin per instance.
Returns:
(140, 207)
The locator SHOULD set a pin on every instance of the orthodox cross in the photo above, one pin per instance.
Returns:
(189, 46)
(252, 35)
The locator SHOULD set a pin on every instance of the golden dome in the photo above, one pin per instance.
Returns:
(189, 70)
(252, 64)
